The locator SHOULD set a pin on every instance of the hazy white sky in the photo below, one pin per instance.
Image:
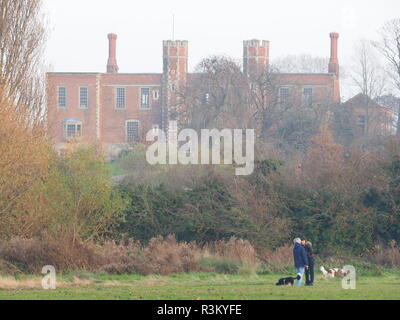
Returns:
(79, 28)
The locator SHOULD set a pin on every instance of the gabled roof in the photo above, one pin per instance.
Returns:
(360, 100)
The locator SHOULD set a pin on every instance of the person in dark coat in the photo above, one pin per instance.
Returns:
(311, 262)
(300, 259)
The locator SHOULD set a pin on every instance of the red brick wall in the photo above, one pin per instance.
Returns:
(112, 120)
(325, 86)
(56, 116)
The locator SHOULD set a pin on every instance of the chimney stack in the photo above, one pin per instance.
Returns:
(333, 61)
(112, 66)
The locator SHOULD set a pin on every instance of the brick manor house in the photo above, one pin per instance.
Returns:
(116, 109)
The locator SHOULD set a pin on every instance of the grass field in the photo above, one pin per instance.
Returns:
(194, 286)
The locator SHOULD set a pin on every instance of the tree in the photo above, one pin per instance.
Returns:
(367, 71)
(25, 156)
(289, 122)
(217, 95)
(302, 63)
(22, 37)
(370, 80)
(389, 46)
(323, 164)
(84, 204)
(264, 100)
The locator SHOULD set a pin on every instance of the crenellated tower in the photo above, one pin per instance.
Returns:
(175, 69)
(255, 56)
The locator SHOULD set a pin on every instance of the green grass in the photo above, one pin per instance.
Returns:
(205, 286)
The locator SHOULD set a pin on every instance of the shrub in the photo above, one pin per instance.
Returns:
(277, 261)
(219, 264)
(234, 249)
(85, 204)
(160, 256)
(30, 255)
(385, 256)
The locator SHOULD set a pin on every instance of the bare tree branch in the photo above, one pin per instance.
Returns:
(22, 37)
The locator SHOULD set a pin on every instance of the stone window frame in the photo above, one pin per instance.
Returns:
(72, 122)
(117, 97)
(80, 97)
(141, 105)
(307, 102)
(127, 138)
(287, 97)
(58, 97)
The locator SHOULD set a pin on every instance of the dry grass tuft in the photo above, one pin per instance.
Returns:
(30, 255)
(10, 283)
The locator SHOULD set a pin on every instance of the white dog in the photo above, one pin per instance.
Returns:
(334, 272)
(328, 274)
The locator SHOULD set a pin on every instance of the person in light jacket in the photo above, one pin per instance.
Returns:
(300, 259)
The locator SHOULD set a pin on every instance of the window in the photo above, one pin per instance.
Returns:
(132, 130)
(284, 95)
(62, 97)
(145, 98)
(120, 101)
(361, 122)
(156, 94)
(308, 96)
(155, 128)
(205, 98)
(72, 128)
(83, 97)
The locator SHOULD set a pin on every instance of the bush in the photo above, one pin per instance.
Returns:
(205, 208)
(83, 200)
(166, 256)
(277, 261)
(385, 256)
(31, 255)
(219, 265)
(160, 256)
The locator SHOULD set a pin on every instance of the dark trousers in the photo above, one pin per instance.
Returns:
(310, 273)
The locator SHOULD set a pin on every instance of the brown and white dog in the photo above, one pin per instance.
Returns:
(334, 272)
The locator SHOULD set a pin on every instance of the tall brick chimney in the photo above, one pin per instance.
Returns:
(333, 61)
(112, 66)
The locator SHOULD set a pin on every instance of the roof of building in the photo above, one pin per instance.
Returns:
(361, 99)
